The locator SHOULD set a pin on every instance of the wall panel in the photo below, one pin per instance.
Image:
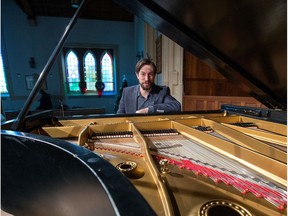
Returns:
(192, 103)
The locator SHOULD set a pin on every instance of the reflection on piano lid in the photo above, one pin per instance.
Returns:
(245, 40)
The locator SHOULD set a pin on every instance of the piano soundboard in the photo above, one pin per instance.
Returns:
(241, 162)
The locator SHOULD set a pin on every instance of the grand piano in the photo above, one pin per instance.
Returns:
(231, 161)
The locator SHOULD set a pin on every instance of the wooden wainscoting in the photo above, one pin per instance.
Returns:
(191, 102)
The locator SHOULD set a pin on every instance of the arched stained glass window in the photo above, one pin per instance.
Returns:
(84, 66)
(3, 84)
(107, 72)
(72, 70)
(90, 71)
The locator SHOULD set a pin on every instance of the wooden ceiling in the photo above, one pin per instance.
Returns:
(94, 9)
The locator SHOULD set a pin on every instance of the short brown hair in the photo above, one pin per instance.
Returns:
(143, 62)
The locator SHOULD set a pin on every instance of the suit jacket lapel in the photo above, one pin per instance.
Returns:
(134, 98)
(154, 93)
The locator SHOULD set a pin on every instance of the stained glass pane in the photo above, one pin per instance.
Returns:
(3, 84)
(90, 71)
(72, 71)
(107, 72)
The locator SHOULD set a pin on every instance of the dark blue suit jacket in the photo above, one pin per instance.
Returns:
(161, 97)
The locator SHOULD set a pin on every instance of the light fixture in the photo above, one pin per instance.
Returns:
(75, 3)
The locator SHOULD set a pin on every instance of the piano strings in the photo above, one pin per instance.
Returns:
(254, 127)
(119, 142)
(191, 155)
(209, 130)
(250, 125)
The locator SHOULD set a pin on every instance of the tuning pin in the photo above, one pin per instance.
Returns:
(163, 166)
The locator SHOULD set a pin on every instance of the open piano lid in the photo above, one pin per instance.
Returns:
(244, 40)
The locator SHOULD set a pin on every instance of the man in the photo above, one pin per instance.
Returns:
(147, 97)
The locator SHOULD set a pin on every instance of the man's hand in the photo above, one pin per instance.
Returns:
(145, 110)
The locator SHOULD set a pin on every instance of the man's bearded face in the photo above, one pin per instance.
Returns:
(146, 77)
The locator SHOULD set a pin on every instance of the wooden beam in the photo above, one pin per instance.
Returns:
(25, 5)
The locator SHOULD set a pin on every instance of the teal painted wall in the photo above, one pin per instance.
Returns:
(20, 41)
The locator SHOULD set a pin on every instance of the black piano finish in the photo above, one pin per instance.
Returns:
(45, 176)
(244, 40)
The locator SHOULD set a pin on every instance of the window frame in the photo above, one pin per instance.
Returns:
(95, 65)
(103, 69)
(83, 49)
(6, 74)
(67, 86)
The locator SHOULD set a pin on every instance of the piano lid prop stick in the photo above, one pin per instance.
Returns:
(21, 116)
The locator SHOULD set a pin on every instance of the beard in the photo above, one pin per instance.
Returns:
(146, 85)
